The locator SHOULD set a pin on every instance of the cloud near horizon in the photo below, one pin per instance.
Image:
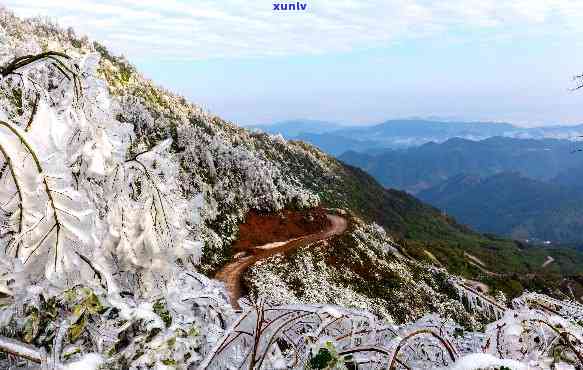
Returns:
(206, 29)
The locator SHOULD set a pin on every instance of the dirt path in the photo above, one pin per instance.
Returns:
(231, 274)
(548, 261)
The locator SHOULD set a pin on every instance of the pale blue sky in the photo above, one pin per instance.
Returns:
(348, 60)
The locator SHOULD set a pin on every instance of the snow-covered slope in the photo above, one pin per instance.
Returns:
(119, 199)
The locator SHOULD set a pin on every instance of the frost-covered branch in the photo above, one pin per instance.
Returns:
(25, 60)
(22, 350)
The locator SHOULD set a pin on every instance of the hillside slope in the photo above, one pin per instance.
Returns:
(225, 170)
(512, 205)
(221, 171)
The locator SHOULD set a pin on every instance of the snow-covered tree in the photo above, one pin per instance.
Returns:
(86, 204)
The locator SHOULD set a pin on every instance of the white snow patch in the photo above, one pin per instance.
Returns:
(476, 361)
(88, 362)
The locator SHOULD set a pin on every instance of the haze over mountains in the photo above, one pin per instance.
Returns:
(336, 138)
(419, 168)
(494, 177)
(522, 188)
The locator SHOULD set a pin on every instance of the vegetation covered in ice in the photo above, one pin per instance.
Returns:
(116, 197)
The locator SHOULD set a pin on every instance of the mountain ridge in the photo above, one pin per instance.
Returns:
(418, 168)
(404, 133)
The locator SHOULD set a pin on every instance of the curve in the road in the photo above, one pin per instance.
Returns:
(232, 273)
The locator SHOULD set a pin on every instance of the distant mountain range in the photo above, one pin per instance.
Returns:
(523, 188)
(512, 205)
(419, 168)
(336, 138)
(494, 177)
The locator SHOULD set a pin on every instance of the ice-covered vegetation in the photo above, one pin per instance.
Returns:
(320, 336)
(115, 198)
(97, 239)
(398, 289)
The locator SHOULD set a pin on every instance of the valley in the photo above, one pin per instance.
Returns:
(493, 177)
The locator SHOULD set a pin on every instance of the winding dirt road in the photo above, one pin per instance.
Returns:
(231, 273)
(548, 261)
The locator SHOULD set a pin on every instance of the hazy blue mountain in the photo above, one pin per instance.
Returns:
(418, 168)
(512, 205)
(410, 132)
(572, 177)
(398, 134)
(554, 132)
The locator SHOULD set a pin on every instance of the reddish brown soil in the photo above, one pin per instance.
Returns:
(261, 228)
(252, 251)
